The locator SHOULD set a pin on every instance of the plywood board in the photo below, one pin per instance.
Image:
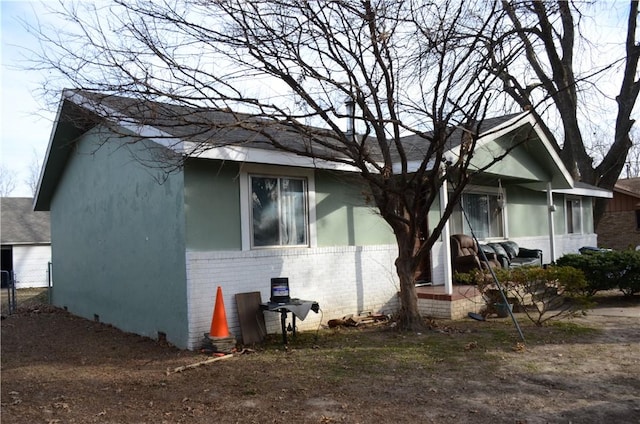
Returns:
(251, 317)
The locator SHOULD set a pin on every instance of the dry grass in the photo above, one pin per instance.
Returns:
(25, 298)
(60, 368)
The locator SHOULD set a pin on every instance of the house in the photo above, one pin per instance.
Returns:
(26, 242)
(145, 250)
(619, 227)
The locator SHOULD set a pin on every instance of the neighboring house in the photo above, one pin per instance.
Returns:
(619, 227)
(26, 242)
(147, 257)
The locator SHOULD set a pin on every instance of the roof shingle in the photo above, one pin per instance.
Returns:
(631, 185)
(20, 224)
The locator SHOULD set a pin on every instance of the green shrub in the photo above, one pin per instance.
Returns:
(629, 282)
(607, 270)
(541, 293)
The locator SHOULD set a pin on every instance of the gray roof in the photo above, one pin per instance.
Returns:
(222, 127)
(191, 131)
(630, 186)
(204, 126)
(20, 224)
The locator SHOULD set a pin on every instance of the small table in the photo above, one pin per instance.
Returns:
(298, 308)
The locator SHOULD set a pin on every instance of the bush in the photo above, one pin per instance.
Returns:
(541, 293)
(629, 283)
(607, 270)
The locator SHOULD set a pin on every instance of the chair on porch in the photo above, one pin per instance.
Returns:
(465, 256)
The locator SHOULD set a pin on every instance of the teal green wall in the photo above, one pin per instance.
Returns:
(522, 161)
(343, 216)
(527, 212)
(528, 216)
(212, 203)
(118, 241)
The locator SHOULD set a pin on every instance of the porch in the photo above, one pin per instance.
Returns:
(433, 301)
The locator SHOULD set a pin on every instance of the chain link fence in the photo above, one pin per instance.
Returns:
(9, 284)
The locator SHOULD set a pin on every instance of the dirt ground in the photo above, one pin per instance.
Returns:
(58, 368)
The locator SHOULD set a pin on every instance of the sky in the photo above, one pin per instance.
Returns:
(25, 119)
(25, 123)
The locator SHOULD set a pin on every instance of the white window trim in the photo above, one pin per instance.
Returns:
(246, 170)
(566, 215)
(493, 191)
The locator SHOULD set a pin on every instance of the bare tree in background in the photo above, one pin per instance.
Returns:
(34, 173)
(632, 167)
(7, 181)
(548, 32)
(408, 68)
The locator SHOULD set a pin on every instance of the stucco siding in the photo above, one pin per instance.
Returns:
(526, 213)
(344, 280)
(212, 205)
(344, 214)
(118, 240)
(344, 217)
(30, 265)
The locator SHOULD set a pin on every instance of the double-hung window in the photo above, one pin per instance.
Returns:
(485, 216)
(279, 212)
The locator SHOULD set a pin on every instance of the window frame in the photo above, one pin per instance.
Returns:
(569, 220)
(271, 171)
(486, 191)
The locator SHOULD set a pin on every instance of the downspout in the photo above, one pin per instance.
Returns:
(552, 236)
(446, 232)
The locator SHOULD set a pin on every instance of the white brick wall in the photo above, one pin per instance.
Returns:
(30, 265)
(343, 280)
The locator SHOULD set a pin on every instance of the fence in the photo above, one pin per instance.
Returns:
(8, 281)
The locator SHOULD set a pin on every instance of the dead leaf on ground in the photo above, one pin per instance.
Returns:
(471, 345)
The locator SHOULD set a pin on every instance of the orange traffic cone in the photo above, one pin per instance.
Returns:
(219, 326)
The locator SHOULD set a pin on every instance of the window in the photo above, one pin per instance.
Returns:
(574, 216)
(278, 211)
(637, 219)
(484, 213)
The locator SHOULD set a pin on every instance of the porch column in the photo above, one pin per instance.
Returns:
(552, 236)
(448, 273)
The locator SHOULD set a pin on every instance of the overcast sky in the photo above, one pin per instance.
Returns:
(26, 123)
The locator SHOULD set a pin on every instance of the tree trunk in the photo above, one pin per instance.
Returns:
(409, 317)
(407, 264)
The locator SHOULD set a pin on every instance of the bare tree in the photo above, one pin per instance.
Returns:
(411, 72)
(34, 173)
(600, 146)
(548, 32)
(632, 167)
(7, 181)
